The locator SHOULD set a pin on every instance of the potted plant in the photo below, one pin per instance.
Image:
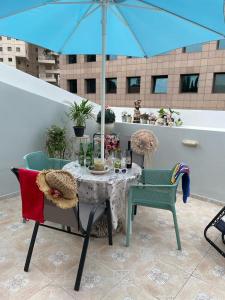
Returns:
(144, 118)
(124, 116)
(109, 119)
(56, 142)
(79, 113)
(129, 118)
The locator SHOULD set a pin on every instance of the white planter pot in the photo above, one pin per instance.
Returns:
(109, 128)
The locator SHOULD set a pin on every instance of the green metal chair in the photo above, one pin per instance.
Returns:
(154, 190)
(40, 161)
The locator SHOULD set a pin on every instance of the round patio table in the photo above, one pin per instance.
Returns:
(112, 186)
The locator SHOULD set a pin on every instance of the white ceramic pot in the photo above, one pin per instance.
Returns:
(109, 128)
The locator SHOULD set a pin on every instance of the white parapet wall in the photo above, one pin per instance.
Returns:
(28, 106)
(206, 160)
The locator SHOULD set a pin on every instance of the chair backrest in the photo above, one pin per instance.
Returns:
(162, 177)
(52, 213)
(36, 161)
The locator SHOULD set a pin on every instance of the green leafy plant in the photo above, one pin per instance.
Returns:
(144, 116)
(109, 116)
(79, 113)
(56, 142)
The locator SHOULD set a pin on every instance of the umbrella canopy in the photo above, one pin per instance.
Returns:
(122, 27)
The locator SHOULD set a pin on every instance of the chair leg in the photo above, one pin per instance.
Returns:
(81, 264)
(109, 221)
(31, 247)
(135, 209)
(176, 228)
(68, 229)
(129, 220)
(84, 252)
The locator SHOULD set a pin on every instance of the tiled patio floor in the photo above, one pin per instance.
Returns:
(151, 268)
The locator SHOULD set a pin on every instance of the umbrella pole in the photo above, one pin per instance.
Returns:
(104, 11)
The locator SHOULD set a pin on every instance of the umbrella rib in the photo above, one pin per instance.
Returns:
(131, 30)
(86, 14)
(26, 9)
(181, 17)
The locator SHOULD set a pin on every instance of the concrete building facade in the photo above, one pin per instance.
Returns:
(191, 77)
(31, 59)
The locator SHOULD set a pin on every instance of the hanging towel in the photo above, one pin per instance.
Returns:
(32, 197)
(181, 168)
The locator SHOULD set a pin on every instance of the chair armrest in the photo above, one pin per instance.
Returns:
(153, 193)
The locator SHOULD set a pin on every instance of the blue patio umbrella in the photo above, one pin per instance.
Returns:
(140, 28)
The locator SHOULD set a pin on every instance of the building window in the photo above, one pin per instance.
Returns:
(72, 59)
(111, 85)
(72, 85)
(221, 44)
(10, 59)
(1, 49)
(133, 84)
(90, 58)
(9, 48)
(159, 84)
(219, 83)
(90, 86)
(193, 48)
(111, 57)
(1, 59)
(17, 49)
(189, 83)
(8, 38)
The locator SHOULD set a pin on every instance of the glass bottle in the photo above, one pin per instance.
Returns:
(81, 155)
(89, 156)
(129, 156)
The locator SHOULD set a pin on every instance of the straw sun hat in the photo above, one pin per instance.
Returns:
(59, 187)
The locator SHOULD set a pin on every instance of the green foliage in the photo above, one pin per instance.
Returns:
(109, 116)
(56, 141)
(79, 113)
(144, 116)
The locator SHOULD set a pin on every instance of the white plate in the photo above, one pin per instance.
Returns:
(99, 172)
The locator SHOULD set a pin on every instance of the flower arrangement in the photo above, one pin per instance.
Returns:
(111, 142)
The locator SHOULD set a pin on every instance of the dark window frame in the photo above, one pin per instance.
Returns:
(69, 84)
(109, 56)
(182, 90)
(88, 88)
(154, 79)
(184, 49)
(133, 90)
(90, 58)
(214, 80)
(71, 60)
(108, 91)
(218, 45)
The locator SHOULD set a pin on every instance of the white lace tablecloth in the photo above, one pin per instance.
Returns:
(94, 188)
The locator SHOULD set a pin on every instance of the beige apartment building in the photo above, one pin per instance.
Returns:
(31, 59)
(192, 77)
